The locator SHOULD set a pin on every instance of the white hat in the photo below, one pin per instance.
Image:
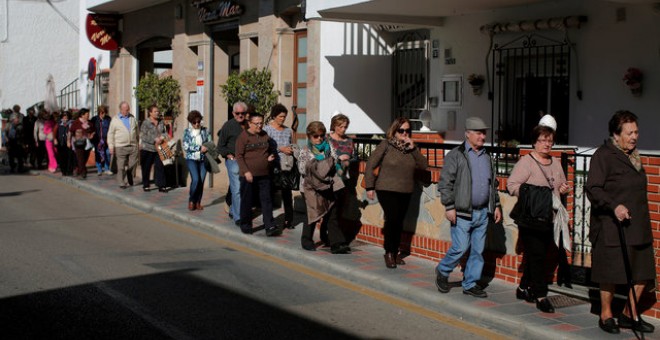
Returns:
(548, 121)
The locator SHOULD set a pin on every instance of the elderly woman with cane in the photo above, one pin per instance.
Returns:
(620, 223)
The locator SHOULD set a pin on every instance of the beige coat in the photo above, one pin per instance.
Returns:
(119, 136)
(319, 185)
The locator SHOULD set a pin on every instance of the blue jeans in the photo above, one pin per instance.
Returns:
(235, 187)
(197, 172)
(106, 163)
(467, 234)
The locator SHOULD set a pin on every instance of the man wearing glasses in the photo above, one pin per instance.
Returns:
(468, 190)
(227, 147)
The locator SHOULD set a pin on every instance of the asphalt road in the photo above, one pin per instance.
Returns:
(78, 266)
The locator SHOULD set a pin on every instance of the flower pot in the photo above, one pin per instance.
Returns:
(476, 89)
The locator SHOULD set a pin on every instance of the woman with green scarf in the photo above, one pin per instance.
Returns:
(320, 186)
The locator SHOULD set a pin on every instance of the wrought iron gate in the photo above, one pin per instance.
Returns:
(410, 72)
(531, 77)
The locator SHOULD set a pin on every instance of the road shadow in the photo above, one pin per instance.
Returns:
(174, 304)
(17, 193)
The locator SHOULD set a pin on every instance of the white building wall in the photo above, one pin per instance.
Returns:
(355, 76)
(36, 41)
(605, 50)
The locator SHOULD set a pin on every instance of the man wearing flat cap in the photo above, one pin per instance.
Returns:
(468, 190)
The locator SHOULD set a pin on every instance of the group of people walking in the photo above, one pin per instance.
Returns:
(262, 159)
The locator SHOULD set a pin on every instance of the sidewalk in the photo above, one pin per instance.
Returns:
(413, 282)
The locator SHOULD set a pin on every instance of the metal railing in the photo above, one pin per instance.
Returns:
(69, 95)
(505, 159)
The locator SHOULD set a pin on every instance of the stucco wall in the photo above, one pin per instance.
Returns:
(605, 49)
(355, 76)
(38, 42)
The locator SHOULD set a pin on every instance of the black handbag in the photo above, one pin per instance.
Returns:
(534, 207)
(495, 237)
(288, 180)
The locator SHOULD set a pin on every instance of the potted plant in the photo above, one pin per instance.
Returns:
(252, 87)
(162, 91)
(633, 79)
(476, 81)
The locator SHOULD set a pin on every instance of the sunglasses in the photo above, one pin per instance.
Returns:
(257, 124)
(197, 122)
(317, 136)
(240, 113)
(408, 131)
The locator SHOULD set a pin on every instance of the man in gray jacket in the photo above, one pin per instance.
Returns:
(468, 190)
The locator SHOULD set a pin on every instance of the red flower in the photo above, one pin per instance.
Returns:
(633, 77)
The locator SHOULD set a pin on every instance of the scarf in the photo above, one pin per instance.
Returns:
(320, 151)
(399, 145)
(633, 155)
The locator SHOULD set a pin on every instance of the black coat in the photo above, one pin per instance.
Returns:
(613, 180)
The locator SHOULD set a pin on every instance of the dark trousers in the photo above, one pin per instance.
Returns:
(262, 183)
(395, 206)
(16, 156)
(81, 157)
(40, 154)
(147, 159)
(330, 225)
(535, 247)
(65, 159)
(287, 204)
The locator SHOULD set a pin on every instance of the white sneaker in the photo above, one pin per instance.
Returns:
(100, 173)
(108, 172)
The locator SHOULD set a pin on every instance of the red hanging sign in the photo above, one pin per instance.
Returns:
(103, 31)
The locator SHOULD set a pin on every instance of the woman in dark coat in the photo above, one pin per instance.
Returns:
(616, 188)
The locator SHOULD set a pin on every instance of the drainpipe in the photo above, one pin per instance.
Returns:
(209, 90)
(6, 37)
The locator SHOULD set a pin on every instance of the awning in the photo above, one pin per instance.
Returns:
(409, 12)
(120, 6)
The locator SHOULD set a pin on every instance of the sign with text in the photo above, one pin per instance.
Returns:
(213, 10)
(103, 31)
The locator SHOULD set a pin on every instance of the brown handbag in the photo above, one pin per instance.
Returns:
(363, 182)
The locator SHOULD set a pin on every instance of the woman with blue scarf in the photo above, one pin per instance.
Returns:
(320, 185)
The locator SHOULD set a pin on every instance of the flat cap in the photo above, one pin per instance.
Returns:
(475, 123)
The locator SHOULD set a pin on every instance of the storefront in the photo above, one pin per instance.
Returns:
(199, 43)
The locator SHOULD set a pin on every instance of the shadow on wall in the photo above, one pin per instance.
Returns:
(367, 82)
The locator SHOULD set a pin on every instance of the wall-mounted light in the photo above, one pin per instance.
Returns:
(178, 11)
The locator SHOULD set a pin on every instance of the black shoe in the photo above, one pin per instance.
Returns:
(524, 294)
(340, 249)
(162, 190)
(288, 225)
(246, 230)
(609, 326)
(308, 245)
(545, 306)
(123, 186)
(639, 326)
(273, 231)
(145, 189)
(475, 291)
(442, 282)
(237, 223)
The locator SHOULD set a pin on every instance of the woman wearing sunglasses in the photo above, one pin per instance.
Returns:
(320, 184)
(397, 158)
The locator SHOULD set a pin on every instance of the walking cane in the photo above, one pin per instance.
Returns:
(631, 284)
